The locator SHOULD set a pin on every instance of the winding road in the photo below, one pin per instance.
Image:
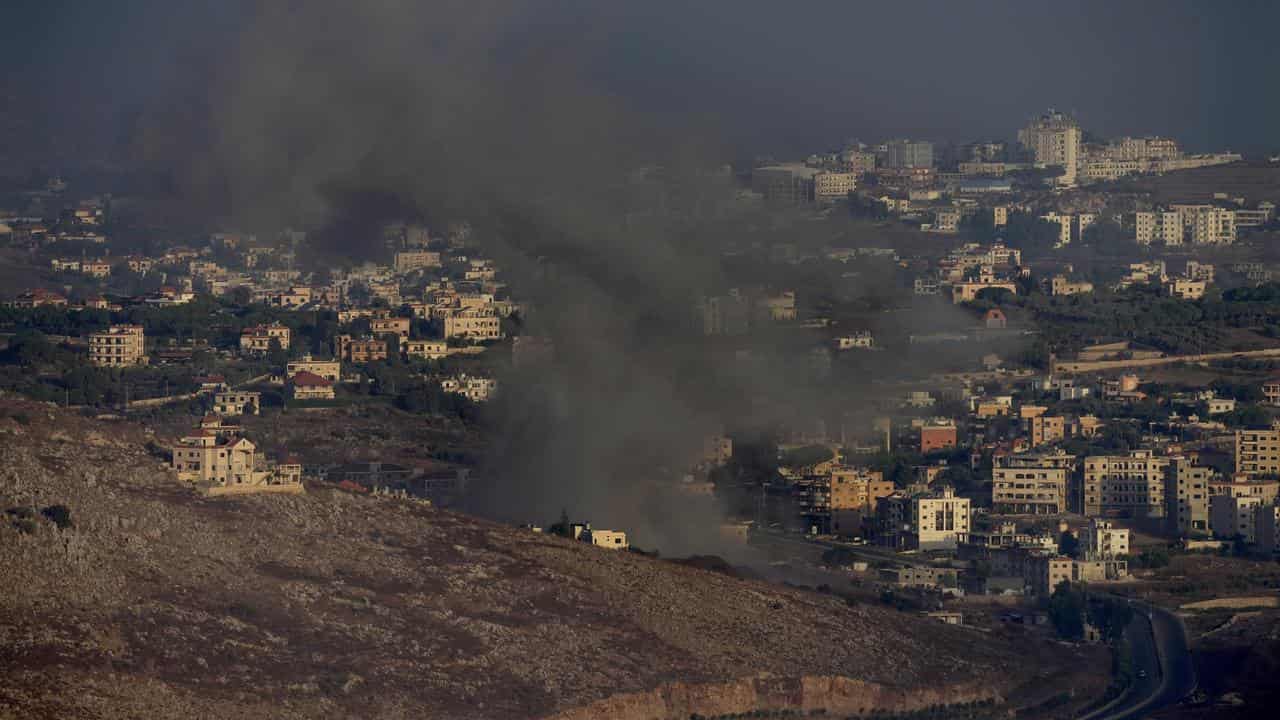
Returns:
(1162, 661)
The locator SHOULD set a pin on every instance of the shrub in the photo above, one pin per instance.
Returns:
(60, 515)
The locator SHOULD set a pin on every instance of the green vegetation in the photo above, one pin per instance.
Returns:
(1066, 611)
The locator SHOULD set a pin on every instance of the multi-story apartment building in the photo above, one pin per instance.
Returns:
(1101, 540)
(1164, 227)
(1245, 486)
(1187, 498)
(1257, 452)
(1266, 528)
(474, 324)
(236, 402)
(937, 436)
(853, 495)
(360, 350)
(398, 326)
(938, 521)
(1130, 485)
(1064, 226)
(1143, 148)
(1054, 139)
(95, 268)
(830, 187)
(785, 184)
(1047, 429)
(1271, 390)
(1233, 516)
(908, 154)
(258, 339)
(118, 346)
(1032, 484)
(416, 260)
(1045, 571)
(1207, 224)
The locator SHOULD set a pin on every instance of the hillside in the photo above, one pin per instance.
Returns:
(158, 603)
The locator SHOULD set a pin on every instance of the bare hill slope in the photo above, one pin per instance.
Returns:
(159, 603)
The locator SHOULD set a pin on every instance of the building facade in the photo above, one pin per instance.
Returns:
(1130, 485)
(118, 346)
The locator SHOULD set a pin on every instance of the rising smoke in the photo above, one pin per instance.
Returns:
(599, 210)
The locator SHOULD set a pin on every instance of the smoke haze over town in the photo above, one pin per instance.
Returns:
(577, 359)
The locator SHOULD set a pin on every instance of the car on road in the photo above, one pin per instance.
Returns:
(1142, 673)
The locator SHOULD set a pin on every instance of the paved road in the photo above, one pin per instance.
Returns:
(1158, 642)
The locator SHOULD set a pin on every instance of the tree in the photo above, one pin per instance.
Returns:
(59, 514)
(1066, 611)
(276, 354)
(1068, 544)
(995, 295)
(1111, 617)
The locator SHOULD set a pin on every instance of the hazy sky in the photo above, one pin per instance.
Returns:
(775, 77)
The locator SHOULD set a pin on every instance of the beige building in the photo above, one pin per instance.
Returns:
(830, 187)
(1101, 540)
(95, 268)
(1047, 429)
(398, 326)
(231, 464)
(474, 324)
(1064, 226)
(1184, 288)
(1158, 227)
(1031, 484)
(475, 389)
(1207, 224)
(360, 350)
(257, 339)
(118, 346)
(1130, 485)
(1060, 285)
(610, 539)
(426, 349)
(1271, 390)
(305, 386)
(1187, 498)
(853, 495)
(416, 260)
(207, 457)
(939, 521)
(330, 370)
(1257, 452)
(1054, 139)
(236, 402)
(1044, 572)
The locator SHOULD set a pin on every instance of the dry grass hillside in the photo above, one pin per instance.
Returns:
(158, 603)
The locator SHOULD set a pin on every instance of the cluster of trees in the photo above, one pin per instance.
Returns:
(1070, 607)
